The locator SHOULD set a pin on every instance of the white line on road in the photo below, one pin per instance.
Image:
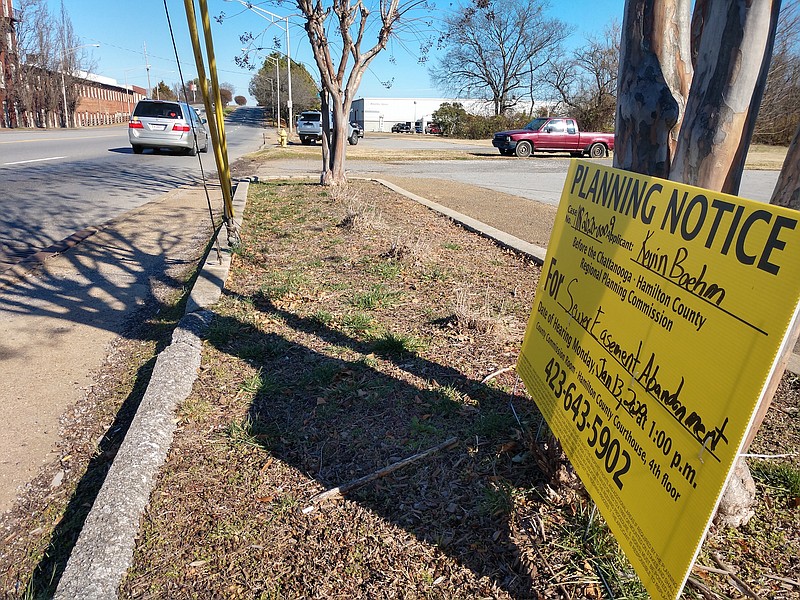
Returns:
(22, 162)
(61, 139)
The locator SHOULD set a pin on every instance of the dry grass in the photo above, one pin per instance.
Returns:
(761, 157)
(332, 357)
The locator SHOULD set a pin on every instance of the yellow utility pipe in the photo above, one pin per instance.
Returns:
(212, 67)
(213, 122)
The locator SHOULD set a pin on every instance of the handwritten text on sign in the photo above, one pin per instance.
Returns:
(657, 321)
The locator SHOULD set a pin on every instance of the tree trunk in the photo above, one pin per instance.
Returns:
(736, 506)
(732, 64)
(787, 190)
(733, 42)
(729, 43)
(655, 73)
(336, 173)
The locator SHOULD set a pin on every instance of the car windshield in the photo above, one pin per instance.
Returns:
(164, 110)
(310, 117)
(536, 124)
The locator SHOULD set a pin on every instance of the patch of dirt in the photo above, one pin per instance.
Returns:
(360, 329)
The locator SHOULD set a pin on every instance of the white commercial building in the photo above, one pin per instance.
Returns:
(379, 114)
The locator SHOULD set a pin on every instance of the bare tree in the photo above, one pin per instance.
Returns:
(352, 23)
(727, 87)
(779, 114)
(787, 189)
(226, 91)
(494, 48)
(48, 48)
(72, 64)
(586, 81)
(35, 92)
(654, 77)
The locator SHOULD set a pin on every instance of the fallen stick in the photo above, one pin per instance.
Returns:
(491, 376)
(704, 590)
(743, 587)
(793, 582)
(708, 569)
(341, 490)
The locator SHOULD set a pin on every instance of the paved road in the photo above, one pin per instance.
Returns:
(57, 182)
(539, 178)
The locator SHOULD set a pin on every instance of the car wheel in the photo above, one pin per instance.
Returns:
(353, 139)
(524, 149)
(137, 149)
(304, 140)
(597, 150)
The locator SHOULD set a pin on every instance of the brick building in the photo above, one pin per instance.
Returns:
(103, 101)
(9, 61)
(37, 100)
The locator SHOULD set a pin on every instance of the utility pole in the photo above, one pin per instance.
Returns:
(289, 73)
(147, 66)
(273, 19)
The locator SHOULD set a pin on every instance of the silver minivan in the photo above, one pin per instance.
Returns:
(167, 124)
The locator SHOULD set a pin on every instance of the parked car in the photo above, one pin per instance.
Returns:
(357, 128)
(546, 134)
(434, 128)
(309, 128)
(402, 127)
(165, 124)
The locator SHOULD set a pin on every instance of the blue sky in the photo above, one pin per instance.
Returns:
(122, 28)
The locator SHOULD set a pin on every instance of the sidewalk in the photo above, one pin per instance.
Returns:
(57, 325)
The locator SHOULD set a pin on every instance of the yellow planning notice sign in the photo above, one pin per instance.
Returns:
(658, 319)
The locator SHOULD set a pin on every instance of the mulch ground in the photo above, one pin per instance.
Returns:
(359, 329)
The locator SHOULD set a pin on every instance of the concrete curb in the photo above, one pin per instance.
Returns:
(104, 550)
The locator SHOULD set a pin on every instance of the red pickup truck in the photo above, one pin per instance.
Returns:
(546, 134)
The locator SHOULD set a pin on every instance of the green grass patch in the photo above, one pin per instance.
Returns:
(494, 425)
(378, 296)
(279, 284)
(780, 476)
(358, 323)
(249, 432)
(395, 344)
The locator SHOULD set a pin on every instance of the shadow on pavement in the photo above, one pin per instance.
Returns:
(123, 281)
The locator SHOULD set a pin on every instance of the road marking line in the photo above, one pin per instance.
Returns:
(84, 137)
(22, 162)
